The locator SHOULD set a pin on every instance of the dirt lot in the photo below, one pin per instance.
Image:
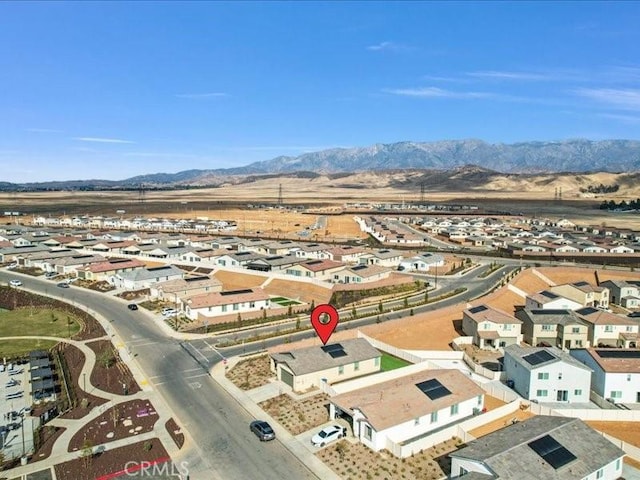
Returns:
(519, 415)
(112, 461)
(110, 372)
(251, 373)
(355, 461)
(298, 416)
(120, 421)
(626, 431)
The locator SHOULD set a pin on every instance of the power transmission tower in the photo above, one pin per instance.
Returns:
(141, 193)
(280, 194)
(421, 192)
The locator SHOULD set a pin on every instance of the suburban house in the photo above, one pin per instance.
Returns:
(616, 372)
(400, 411)
(346, 253)
(553, 328)
(584, 293)
(272, 263)
(320, 269)
(361, 274)
(491, 328)
(422, 262)
(382, 258)
(546, 300)
(624, 293)
(104, 271)
(145, 277)
(67, 265)
(238, 259)
(215, 304)
(172, 290)
(541, 447)
(316, 251)
(306, 368)
(203, 255)
(547, 374)
(608, 329)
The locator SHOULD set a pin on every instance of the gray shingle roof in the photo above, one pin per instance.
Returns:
(517, 353)
(143, 274)
(507, 453)
(314, 359)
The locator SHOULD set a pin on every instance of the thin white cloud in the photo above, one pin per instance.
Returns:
(387, 47)
(202, 96)
(625, 99)
(43, 130)
(435, 92)
(506, 75)
(101, 140)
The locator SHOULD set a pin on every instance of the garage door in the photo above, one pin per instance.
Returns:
(286, 377)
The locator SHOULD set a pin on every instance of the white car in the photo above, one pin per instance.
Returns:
(169, 312)
(328, 435)
(15, 283)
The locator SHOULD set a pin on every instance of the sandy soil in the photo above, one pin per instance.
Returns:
(499, 423)
(626, 431)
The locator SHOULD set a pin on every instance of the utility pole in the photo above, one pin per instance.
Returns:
(280, 194)
(422, 192)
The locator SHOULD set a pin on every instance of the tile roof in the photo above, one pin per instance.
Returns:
(228, 297)
(617, 363)
(314, 359)
(399, 400)
(508, 455)
(114, 265)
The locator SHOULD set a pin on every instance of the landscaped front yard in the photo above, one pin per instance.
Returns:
(298, 416)
(355, 462)
(251, 373)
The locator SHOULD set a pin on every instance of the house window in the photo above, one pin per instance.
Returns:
(506, 326)
(577, 392)
(616, 394)
(376, 361)
(543, 375)
(416, 422)
(628, 377)
(600, 473)
(575, 330)
(463, 471)
(541, 393)
(235, 306)
(252, 304)
(367, 432)
(608, 328)
(356, 366)
(578, 343)
(224, 308)
(434, 417)
(618, 464)
(340, 369)
(454, 409)
(547, 327)
(629, 328)
(479, 399)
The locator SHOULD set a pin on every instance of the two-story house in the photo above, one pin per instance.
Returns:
(584, 293)
(608, 329)
(553, 328)
(491, 328)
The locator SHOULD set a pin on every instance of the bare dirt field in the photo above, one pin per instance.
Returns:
(518, 415)
(251, 373)
(626, 431)
(298, 416)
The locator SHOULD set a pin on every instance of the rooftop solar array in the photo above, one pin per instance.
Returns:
(552, 452)
(551, 311)
(581, 284)
(635, 354)
(549, 294)
(335, 350)
(538, 357)
(433, 389)
(478, 309)
(587, 311)
(235, 292)
(358, 267)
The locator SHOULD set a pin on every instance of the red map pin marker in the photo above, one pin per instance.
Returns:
(324, 319)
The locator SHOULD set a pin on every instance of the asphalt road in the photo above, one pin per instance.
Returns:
(218, 425)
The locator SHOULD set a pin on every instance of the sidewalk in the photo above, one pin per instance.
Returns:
(294, 445)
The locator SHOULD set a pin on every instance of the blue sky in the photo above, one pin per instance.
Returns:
(115, 89)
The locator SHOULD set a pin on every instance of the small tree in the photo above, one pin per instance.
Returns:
(378, 319)
(289, 311)
(86, 454)
(298, 323)
(406, 302)
(354, 312)
(380, 308)
(239, 320)
(115, 416)
(106, 358)
(312, 306)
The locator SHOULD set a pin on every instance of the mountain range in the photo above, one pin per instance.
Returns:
(525, 157)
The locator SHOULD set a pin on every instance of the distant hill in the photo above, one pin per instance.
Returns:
(526, 157)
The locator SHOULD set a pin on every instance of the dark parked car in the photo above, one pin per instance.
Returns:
(63, 285)
(634, 315)
(132, 306)
(262, 430)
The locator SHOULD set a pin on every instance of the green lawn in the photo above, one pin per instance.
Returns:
(19, 348)
(38, 321)
(390, 362)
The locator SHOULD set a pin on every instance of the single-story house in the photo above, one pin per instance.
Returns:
(214, 304)
(145, 277)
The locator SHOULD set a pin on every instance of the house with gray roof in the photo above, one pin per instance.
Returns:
(553, 328)
(546, 374)
(305, 368)
(624, 293)
(542, 447)
(490, 327)
(145, 277)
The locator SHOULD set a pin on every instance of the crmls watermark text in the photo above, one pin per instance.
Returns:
(154, 469)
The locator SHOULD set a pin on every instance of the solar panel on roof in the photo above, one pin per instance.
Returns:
(550, 311)
(549, 294)
(618, 353)
(335, 350)
(480, 308)
(538, 357)
(581, 284)
(433, 389)
(587, 311)
(551, 451)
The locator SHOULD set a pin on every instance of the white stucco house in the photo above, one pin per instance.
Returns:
(215, 304)
(546, 300)
(401, 411)
(616, 372)
(422, 262)
(491, 328)
(547, 374)
(305, 368)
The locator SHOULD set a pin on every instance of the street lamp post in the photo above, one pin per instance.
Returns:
(84, 381)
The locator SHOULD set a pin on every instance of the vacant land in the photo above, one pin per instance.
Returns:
(298, 416)
(37, 321)
(626, 431)
(251, 373)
